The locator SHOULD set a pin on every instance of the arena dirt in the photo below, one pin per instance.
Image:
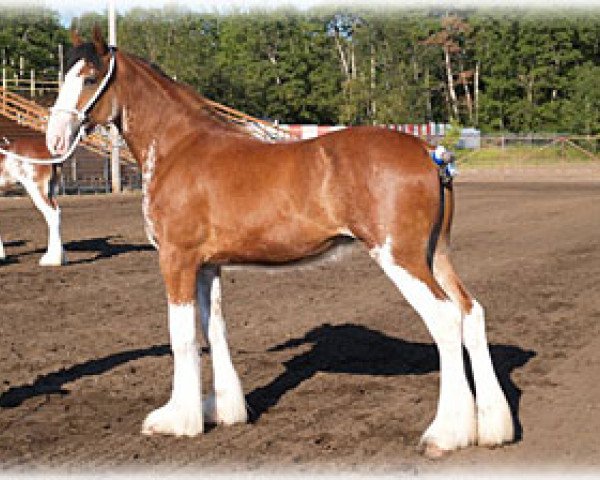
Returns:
(338, 371)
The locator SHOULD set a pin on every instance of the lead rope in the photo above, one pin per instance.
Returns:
(81, 116)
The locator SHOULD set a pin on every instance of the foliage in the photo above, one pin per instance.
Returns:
(497, 70)
(32, 34)
(452, 135)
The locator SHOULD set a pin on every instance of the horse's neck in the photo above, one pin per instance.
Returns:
(158, 113)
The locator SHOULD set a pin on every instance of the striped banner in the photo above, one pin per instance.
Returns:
(304, 132)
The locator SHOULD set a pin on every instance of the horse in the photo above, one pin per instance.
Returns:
(39, 182)
(215, 197)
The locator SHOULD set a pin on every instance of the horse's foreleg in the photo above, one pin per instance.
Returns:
(454, 425)
(182, 414)
(226, 404)
(39, 193)
(494, 420)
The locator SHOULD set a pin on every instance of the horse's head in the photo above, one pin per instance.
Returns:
(87, 94)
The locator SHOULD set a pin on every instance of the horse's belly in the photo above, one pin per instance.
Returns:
(278, 244)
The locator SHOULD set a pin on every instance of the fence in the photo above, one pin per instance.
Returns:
(533, 149)
(89, 169)
(432, 132)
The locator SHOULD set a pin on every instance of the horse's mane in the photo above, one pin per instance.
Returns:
(200, 104)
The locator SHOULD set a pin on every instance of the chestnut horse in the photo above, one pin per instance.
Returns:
(214, 196)
(39, 182)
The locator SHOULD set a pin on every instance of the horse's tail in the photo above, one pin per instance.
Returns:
(447, 192)
(440, 236)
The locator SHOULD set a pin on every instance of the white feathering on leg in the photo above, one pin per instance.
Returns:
(182, 415)
(454, 425)
(494, 420)
(227, 404)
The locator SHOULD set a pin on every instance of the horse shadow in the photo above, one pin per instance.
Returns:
(53, 382)
(357, 350)
(10, 258)
(341, 349)
(103, 247)
(16, 243)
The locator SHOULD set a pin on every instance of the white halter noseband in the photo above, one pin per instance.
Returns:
(81, 116)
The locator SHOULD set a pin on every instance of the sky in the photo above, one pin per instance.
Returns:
(68, 9)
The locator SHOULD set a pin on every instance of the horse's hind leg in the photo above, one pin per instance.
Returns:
(494, 420)
(454, 425)
(226, 404)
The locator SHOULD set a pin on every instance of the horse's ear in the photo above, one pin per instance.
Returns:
(75, 38)
(99, 42)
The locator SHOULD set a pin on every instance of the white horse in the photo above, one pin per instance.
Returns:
(38, 181)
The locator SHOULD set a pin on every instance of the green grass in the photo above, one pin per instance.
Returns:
(522, 156)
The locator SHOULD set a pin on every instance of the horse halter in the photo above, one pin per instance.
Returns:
(82, 116)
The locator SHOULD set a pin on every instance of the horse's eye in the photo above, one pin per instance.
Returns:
(89, 81)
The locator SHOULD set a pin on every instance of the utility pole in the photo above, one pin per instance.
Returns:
(61, 73)
(115, 164)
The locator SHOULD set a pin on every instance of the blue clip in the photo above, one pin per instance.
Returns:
(445, 160)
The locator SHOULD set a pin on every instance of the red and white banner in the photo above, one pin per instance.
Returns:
(419, 130)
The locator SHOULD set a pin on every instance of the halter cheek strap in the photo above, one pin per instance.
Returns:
(81, 115)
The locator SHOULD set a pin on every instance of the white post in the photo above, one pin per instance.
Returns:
(32, 85)
(60, 65)
(112, 24)
(3, 87)
(115, 167)
(3, 79)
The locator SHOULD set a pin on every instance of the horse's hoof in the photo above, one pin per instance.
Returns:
(431, 450)
(174, 420)
(53, 260)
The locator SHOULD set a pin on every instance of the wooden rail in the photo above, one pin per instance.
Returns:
(28, 113)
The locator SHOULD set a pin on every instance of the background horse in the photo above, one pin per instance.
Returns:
(39, 182)
(213, 197)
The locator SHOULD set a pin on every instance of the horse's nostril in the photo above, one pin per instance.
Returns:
(58, 144)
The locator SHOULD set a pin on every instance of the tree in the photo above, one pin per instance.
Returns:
(33, 35)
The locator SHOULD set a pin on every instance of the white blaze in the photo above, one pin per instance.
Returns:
(62, 119)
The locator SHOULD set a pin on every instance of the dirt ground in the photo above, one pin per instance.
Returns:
(338, 371)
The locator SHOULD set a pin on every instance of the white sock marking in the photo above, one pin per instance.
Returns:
(454, 424)
(24, 173)
(494, 420)
(227, 404)
(182, 415)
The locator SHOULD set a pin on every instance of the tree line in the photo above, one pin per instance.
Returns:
(496, 70)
